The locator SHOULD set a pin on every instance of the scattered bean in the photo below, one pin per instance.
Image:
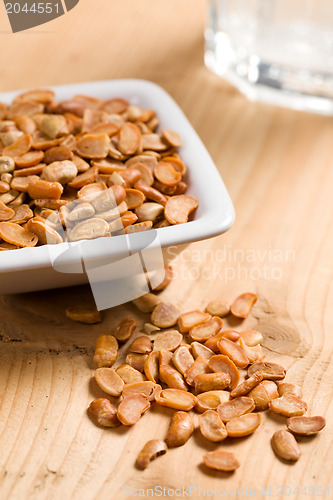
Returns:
(243, 425)
(288, 405)
(181, 429)
(165, 315)
(285, 445)
(109, 381)
(131, 408)
(235, 408)
(106, 351)
(243, 304)
(103, 413)
(151, 450)
(221, 460)
(212, 427)
(305, 426)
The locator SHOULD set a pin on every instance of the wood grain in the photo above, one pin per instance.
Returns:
(277, 165)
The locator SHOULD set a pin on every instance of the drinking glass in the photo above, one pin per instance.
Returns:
(277, 51)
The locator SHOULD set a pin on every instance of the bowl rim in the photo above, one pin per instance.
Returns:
(218, 216)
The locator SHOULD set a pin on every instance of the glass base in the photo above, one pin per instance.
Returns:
(260, 80)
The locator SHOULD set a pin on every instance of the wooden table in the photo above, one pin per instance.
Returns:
(278, 167)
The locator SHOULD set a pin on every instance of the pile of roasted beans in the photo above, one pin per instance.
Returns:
(86, 168)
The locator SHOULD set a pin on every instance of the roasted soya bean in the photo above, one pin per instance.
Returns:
(234, 352)
(29, 159)
(134, 198)
(58, 153)
(93, 146)
(4, 187)
(141, 345)
(6, 213)
(288, 405)
(103, 413)
(251, 337)
(146, 387)
(21, 184)
(235, 408)
(7, 164)
(149, 328)
(305, 426)
(80, 211)
(199, 366)
(210, 400)
(109, 381)
(17, 235)
(243, 425)
(146, 303)
(129, 138)
(165, 315)
(151, 450)
(212, 342)
(60, 171)
(270, 371)
(172, 378)
(178, 208)
(285, 445)
(146, 175)
(139, 227)
(263, 394)
(8, 197)
(106, 351)
(221, 460)
(191, 319)
(149, 192)
(166, 174)
(243, 304)
(172, 137)
(17, 201)
(201, 350)
(207, 329)
(45, 189)
(211, 382)
(181, 429)
(182, 359)
(130, 374)
(166, 357)
(221, 363)
(22, 213)
(136, 360)
(154, 142)
(288, 388)
(149, 211)
(44, 231)
(151, 366)
(218, 308)
(53, 126)
(212, 427)
(19, 147)
(177, 399)
(125, 329)
(84, 314)
(89, 229)
(131, 408)
(168, 340)
(253, 354)
(245, 387)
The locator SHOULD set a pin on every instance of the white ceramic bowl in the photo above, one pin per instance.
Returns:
(30, 269)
